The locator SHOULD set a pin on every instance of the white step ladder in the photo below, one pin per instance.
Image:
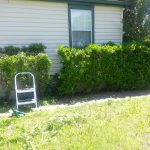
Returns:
(25, 90)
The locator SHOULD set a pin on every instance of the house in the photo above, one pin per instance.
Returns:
(53, 22)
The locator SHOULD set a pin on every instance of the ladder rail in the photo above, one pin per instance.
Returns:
(24, 73)
(34, 88)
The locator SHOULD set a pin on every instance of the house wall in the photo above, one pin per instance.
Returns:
(108, 24)
(23, 22)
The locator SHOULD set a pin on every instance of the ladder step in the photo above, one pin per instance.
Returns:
(25, 90)
(27, 101)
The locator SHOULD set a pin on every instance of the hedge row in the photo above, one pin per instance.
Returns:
(95, 67)
(118, 67)
(39, 65)
(32, 49)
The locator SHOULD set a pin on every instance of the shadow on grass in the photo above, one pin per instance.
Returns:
(6, 108)
(102, 95)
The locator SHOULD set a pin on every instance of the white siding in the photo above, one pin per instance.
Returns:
(24, 22)
(108, 24)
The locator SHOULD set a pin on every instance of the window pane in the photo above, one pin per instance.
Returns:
(81, 26)
(81, 20)
(81, 38)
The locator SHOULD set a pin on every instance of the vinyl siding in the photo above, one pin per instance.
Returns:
(108, 24)
(25, 22)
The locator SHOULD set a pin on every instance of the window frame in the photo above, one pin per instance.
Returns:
(80, 7)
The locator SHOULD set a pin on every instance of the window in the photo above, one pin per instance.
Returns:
(81, 27)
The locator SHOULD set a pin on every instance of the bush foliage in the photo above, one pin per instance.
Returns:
(39, 65)
(136, 20)
(32, 49)
(98, 67)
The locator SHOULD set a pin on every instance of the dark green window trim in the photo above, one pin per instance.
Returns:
(81, 7)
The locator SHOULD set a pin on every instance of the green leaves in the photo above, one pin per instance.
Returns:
(32, 49)
(105, 67)
(39, 65)
(137, 20)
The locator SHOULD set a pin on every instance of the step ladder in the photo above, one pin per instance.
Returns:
(25, 91)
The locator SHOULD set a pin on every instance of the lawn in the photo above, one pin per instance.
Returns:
(112, 125)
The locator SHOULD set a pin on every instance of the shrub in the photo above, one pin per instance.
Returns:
(147, 41)
(39, 65)
(32, 49)
(110, 43)
(118, 67)
(36, 48)
(11, 50)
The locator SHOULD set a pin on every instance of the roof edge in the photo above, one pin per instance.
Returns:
(98, 2)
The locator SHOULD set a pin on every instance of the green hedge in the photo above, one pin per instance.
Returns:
(32, 49)
(117, 67)
(39, 65)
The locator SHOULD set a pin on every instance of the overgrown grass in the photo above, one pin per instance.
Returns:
(111, 125)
